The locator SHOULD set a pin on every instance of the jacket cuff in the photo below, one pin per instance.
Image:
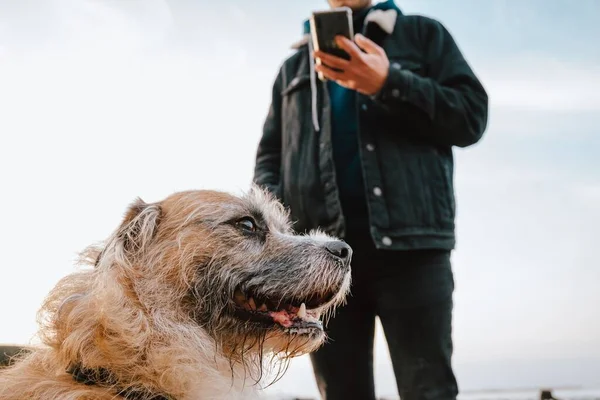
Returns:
(396, 86)
(403, 86)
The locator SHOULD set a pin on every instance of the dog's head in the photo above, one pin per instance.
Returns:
(234, 267)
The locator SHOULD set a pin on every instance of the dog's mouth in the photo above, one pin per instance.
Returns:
(294, 316)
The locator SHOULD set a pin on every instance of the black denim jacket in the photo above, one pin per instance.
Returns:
(431, 101)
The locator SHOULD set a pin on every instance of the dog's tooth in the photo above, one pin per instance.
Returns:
(252, 303)
(302, 311)
(263, 308)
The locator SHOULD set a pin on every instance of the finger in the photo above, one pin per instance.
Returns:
(369, 46)
(347, 84)
(332, 60)
(349, 46)
(330, 73)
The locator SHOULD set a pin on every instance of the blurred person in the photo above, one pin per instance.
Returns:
(368, 156)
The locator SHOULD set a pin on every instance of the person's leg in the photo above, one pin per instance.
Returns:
(343, 366)
(415, 308)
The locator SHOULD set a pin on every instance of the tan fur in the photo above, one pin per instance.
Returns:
(131, 309)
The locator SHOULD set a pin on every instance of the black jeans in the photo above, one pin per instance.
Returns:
(411, 292)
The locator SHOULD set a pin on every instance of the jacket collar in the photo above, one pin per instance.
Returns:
(379, 22)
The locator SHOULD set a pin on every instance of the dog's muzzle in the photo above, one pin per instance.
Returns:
(292, 313)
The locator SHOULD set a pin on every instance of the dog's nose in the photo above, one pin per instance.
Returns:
(340, 249)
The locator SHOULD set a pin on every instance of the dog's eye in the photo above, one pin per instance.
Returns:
(247, 224)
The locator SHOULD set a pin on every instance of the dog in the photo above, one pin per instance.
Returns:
(202, 295)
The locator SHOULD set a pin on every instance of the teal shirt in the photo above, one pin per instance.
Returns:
(346, 156)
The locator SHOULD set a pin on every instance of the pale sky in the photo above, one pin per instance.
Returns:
(105, 100)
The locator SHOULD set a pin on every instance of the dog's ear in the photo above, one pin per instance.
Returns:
(139, 225)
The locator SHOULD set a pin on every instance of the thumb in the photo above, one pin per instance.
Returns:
(369, 46)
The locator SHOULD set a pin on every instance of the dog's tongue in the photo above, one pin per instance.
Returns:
(283, 318)
(286, 318)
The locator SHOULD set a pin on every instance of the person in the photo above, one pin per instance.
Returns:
(367, 155)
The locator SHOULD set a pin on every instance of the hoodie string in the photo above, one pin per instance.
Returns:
(313, 87)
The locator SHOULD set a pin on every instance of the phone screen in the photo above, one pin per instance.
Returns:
(326, 25)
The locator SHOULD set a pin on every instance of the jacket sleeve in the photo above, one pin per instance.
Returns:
(268, 154)
(450, 105)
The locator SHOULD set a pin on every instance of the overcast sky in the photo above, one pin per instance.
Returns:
(104, 100)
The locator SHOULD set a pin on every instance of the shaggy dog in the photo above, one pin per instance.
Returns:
(195, 297)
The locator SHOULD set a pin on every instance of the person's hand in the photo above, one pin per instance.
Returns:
(365, 72)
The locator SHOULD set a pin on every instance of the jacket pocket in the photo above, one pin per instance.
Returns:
(417, 186)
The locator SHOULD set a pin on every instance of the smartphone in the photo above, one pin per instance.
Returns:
(325, 26)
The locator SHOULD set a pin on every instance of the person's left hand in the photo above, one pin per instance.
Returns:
(365, 72)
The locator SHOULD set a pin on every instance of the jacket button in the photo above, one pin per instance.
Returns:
(396, 93)
(370, 146)
(364, 107)
(377, 191)
(396, 65)
(386, 241)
